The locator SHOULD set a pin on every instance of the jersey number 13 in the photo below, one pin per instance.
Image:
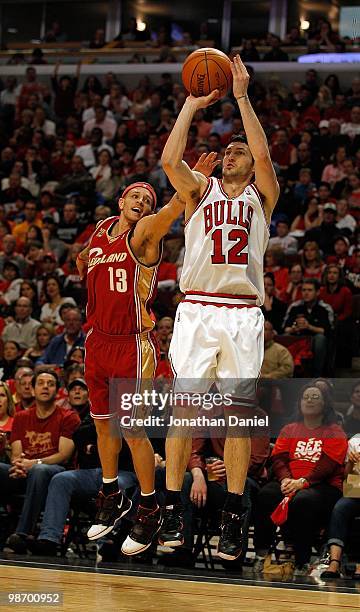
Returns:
(118, 279)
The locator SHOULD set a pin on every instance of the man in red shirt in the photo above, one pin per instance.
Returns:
(41, 445)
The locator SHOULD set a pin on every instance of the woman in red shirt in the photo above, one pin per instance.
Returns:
(307, 459)
(334, 292)
(311, 260)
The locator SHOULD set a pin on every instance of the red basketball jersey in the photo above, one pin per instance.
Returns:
(120, 289)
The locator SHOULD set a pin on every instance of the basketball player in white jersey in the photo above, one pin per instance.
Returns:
(218, 333)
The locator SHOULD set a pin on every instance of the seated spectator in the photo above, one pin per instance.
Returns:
(249, 52)
(102, 121)
(343, 513)
(24, 392)
(98, 40)
(77, 181)
(304, 187)
(335, 293)
(88, 152)
(352, 127)
(310, 317)
(276, 54)
(353, 195)
(31, 218)
(12, 352)
(292, 292)
(10, 283)
(44, 333)
(164, 329)
(23, 329)
(278, 362)
(352, 417)
(75, 355)
(69, 227)
(341, 257)
(274, 258)
(325, 233)
(14, 193)
(7, 411)
(344, 221)
(223, 125)
(282, 151)
(334, 172)
(102, 174)
(308, 466)
(58, 348)
(54, 300)
(273, 309)
(312, 263)
(9, 253)
(84, 481)
(339, 110)
(41, 446)
(312, 218)
(28, 290)
(282, 239)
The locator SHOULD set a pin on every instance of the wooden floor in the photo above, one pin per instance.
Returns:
(92, 592)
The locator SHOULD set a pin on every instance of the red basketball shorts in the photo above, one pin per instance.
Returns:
(116, 357)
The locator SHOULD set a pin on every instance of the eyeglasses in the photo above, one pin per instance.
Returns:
(311, 397)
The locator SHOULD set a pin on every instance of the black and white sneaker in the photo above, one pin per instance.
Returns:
(172, 529)
(147, 524)
(111, 509)
(230, 542)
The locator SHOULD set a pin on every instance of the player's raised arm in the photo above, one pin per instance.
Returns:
(188, 183)
(265, 176)
(155, 227)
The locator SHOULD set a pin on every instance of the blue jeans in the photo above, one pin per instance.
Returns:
(344, 511)
(34, 486)
(84, 483)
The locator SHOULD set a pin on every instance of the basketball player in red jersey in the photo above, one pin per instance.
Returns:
(218, 331)
(121, 262)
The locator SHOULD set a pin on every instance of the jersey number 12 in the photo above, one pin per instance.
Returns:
(118, 279)
(235, 254)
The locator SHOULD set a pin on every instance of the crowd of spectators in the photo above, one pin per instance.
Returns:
(66, 153)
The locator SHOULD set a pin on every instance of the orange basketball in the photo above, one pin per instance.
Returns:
(205, 70)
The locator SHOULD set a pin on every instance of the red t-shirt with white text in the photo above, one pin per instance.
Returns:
(40, 437)
(305, 447)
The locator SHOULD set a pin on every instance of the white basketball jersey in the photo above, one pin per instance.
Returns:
(225, 242)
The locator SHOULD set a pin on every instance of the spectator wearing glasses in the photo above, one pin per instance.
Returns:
(307, 461)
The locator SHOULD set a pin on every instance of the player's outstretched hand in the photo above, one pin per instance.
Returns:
(204, 101)
(241, 77)
(206, 163)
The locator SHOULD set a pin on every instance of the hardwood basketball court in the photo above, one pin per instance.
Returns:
(93, 591)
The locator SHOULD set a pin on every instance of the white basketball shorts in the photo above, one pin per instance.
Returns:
(212, 344)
